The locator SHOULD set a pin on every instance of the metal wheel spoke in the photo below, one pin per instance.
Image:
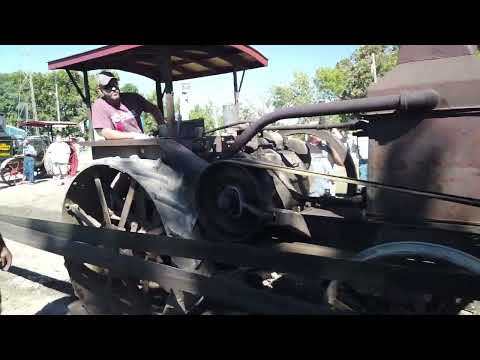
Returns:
(127, 205)
(103, 202)
(174, 304)
(83, 216)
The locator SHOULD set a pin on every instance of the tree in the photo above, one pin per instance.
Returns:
(149, 122)
(15, 90)
(351, 77)
(247, 112)
(250, 112)
(299, 92)
(129, 88)
(330, 83)
(9, 84)
(208, 113)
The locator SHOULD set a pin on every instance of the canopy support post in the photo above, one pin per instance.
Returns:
(236, 96)
(169, 102)
(158, 88)
(85, 98)
(89, 104)
(235, 88)
(80, 92)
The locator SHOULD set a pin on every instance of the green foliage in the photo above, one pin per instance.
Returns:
(360, 76)
(149, 124)
(129, 88)
(15, 90)
(9, 95)
(330, 83)
(251, 112)
(299, 92)
(208, 113)
(351, 77)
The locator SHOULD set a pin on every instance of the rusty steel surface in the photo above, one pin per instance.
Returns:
(432, 151)
(455, 79)
(434, 154)
(412, 53)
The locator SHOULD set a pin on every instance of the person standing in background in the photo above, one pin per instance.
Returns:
(59, 151)
(73, 160)
(29, 154)
(363, 157)
(323, 160)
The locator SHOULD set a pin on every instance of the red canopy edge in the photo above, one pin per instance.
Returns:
(186, 61)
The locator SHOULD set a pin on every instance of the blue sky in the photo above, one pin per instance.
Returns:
(283, 61)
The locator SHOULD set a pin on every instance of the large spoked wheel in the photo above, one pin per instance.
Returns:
(108, 198)
(12, 171)
(417, 255)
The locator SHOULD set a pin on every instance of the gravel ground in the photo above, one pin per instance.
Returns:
(37, 283)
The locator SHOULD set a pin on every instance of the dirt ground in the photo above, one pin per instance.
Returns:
(37, 283)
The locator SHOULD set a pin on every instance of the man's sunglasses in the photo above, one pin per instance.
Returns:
(110, 87)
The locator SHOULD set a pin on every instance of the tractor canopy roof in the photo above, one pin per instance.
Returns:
(183, 62)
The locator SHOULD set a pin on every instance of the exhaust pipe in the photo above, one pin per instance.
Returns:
(412, 101)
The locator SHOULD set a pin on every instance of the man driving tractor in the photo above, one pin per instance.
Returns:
(116, 115)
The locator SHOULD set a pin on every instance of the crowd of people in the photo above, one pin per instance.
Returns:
(358, 148)
(61, 157)
(324, 159)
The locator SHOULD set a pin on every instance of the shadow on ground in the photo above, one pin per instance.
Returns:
(37, 181)
(58, 307)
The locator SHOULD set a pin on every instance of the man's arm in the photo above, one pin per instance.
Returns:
(334, 157)
(5, 256)
(103, 125)
(155, 111)
(111, 134)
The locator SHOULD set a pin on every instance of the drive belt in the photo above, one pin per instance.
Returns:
(348, 180)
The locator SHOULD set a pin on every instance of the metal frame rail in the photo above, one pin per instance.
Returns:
(80, 244)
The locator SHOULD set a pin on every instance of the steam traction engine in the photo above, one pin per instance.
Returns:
(419, 211)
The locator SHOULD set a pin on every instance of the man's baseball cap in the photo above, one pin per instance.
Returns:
(105, 77)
